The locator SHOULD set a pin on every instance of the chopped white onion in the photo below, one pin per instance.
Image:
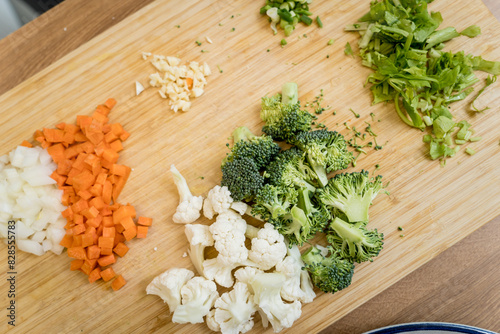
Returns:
(29, 196)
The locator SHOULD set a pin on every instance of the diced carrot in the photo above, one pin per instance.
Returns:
(80, 137)
(108, 274)
(145, 221)
(93, 252)
(110, 103)
(127, 223)
(109, 232)
(110, 137)
(107, 221)
(100, 117)
(77, 239)
(106, 211)
(106, 242)
(57, 152)
(116, 146)
(121, 249)
(78, 229)
(60, 179)
(53, 135)
(26, 143)
(119, 170)
(64, 166)
(118, 237)
(118, 283)
(90, 212)
(85, 194)
(82, 121)
(83, 180)
(77, 253)
(88, 266)
(94, 222)
(76, 264)
(95, 275)
(66, 241)
(119, 228)
(124, 136)
(96, 190)
(77, 218)
(142, 232)
(87, 240)
(80, 205)
(106, 251)
(101, 178)
(97, 203)
(130, 233)
(110, 155)
(106, 260)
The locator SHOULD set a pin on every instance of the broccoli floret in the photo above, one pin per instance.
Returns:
(241, 176)
(328, 273)
(283, 116)
(353, 241)
(326, 151)
(273, 202)
(261, 149)
(351, 193)
(289, 169)
(303, 221)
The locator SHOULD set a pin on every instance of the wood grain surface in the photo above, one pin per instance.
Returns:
(85, 77)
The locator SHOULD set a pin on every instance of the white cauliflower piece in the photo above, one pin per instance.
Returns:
(198, 297)
(298, 285)
(189, 206)
(218, 201)
(245, 275)
(228, 232)
(210, 320)
(240, 207)
(267, 288)
(215, 270)
(268, 248)
(234, 310)
(199, 237)
(168, 286)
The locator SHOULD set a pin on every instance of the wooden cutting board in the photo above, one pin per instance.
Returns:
(436, 206)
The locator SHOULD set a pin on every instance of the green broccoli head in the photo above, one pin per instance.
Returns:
(353, 241)
(261, 149)
(303, 221)
(289, 169)
(285, 121)
(351, 193)
(329, 273)
(242, 177)
(326, 151)
(272, 202)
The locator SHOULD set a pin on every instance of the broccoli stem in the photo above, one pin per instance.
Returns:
(347, 231)
(242, 133)
(320, 172)
(299, 221)
(182, 186)
(289, 93)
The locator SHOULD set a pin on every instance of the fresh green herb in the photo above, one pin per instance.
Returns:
(327, 56)
(348, 49)
(401, 43)
(204, 51)
(402, 235)
(400, 228)
(330, 42)
(318, 21)
(233, 29)
(268, 50)
(489, 80)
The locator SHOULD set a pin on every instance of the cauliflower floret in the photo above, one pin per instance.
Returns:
(198, 297)
(298, 285)
(228, 232)
(211, 323)
(246, 274)
(189, 206)
(215, 270)
(239, 207)
(199, 237)
(218, 201)
(267, 296)
(234, 310)
(268, 248)
(168, 286)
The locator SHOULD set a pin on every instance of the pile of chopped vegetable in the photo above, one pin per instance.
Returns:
(177, 82)
(97, 226)
(30, 201)
(287, 14)
(289, 190)
(269, 276)
(401, 42)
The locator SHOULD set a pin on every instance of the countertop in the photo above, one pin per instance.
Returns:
(459, 285)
